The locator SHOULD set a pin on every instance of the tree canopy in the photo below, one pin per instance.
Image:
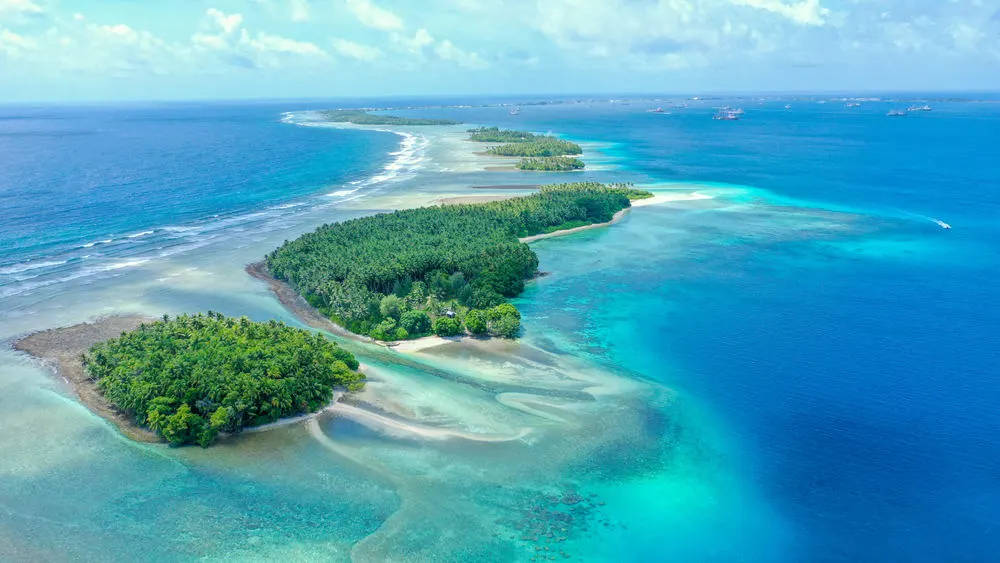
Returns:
(550, 163)
(540, 146)
(497, 135)
(361, 117)
(368, 273)
(193, 376)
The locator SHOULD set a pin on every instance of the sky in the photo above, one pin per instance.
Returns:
(66, 50)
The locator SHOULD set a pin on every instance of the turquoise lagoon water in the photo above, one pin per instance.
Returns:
(797, 365)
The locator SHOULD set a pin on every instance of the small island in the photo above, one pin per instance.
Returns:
(446, 270)
(550, 164)
(361, 117)
(188, 378)
(522, 143)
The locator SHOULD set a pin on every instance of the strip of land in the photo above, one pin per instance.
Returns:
(62, 348)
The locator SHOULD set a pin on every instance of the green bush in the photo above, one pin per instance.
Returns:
(446, 326)
(475, 321)
(391, 306)
(504, 320)
(385, 330)
(415, 322)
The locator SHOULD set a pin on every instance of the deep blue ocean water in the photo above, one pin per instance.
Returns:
(849, 369)
(857, 372)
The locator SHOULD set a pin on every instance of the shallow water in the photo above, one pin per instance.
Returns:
(755, 376)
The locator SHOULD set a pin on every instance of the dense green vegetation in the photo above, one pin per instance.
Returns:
(444, 269)
(550, 163)
(361, 117)
(193, 376)
(540, 146)
(497, 135)
(522, 143)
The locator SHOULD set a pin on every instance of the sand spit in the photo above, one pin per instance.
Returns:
(298, 305)
(412, 429)
(61, 348)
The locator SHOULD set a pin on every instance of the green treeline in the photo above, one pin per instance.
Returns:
(193, 376)
(361, 117)
(445, 269)
(497, 135)
(522, 143)
(550, 163)
(541, 146)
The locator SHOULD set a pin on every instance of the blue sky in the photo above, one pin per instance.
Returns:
(136, 49)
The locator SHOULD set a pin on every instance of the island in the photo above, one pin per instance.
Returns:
(550, 164)
(446, 270)
(189, 378)
(361, 117)
(522, 143)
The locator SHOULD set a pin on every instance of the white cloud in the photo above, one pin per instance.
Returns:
(266, 43)
(14, 45)
(299, 9)
(373, 16)
(234, 44)
(806, 12)
(228, 23)
(19, 8)
(357, 51)
(447, 51)
(415, 45)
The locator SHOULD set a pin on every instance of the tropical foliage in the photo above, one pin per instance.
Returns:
(540, 146)
(193, 376)
(361, 117)
(497, 135)
(370, 274)
(551, 163)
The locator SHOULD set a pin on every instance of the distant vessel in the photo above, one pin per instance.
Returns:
(727, 115)
(854, 104)
(515, 111)
(788, 106)
(896, 113)
(942, 224)
(655, 110)
(924, 107)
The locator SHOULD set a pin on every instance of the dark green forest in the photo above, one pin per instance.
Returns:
(193, 376)
(497, 135)
(444, 269)
(361, 117)
(522, 143)
(540, 146)
(550, 164)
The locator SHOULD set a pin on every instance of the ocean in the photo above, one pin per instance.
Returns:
(792, 360)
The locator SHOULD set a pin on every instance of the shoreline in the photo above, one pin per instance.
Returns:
(302, 310)
(59, 350)
(294, 303)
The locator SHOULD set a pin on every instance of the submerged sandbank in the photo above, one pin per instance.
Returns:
(61, 349)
